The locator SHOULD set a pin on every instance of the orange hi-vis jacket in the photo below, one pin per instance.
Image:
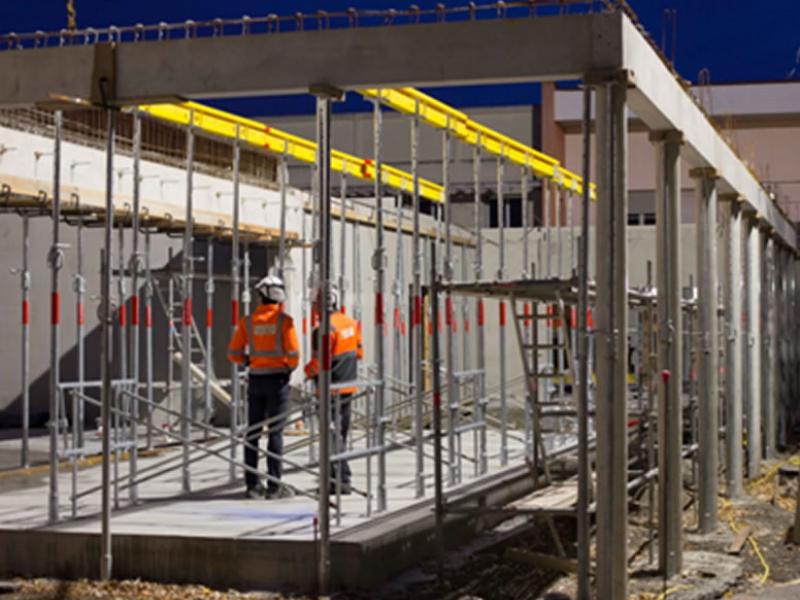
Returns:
(346, 350)
(269, 332)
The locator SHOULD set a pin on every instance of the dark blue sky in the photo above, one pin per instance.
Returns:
(737, 40)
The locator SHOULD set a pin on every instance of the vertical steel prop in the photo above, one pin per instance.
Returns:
(480, 335)
(186, 313)
(501, 275)
(235, 291)
(324, 98)
(106, 350)
(25, 287)
(584, 468)
(417, 347)
(452, 392)
(55, 260)
(135, 268)
(379, 265)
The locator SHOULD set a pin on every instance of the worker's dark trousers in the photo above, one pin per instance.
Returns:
(267, 397)
(342, 430)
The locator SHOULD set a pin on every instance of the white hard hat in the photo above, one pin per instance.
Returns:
(272, 288)
(333, 296)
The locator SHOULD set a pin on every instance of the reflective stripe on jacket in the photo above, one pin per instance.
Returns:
(346, 351)
(272, 340)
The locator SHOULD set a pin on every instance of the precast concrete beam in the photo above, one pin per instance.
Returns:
(732, 292)
(486, 51)
(707, 350)
(611, 318)
(669, 349)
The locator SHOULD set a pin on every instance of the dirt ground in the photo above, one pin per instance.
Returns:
(488, 569)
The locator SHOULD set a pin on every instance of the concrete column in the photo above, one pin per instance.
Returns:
(769, 347)
(732, 291)
(670, 421)
(611, 317)
(753, 348)
(707, 351)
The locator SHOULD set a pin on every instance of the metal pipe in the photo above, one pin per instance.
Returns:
(105, 355)
(343, 238)
(235, 291)
(733, 349)
(452, 394)
(148, 325)
(379, 265)
(501, 275)
(56, 260)
(668, 261)
(611, 320)
(480, 335)
(708, 352)
(25, 286)
(186, 293)
(437, 421)
(209, 364)
(416, 320)
(283, 182)
(324, 380)
(135, 265)
(584, 473)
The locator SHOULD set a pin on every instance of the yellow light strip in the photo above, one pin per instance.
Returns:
(224, 124)
(437, 114)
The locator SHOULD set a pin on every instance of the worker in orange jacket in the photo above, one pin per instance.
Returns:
(266, 342)
(346, 350)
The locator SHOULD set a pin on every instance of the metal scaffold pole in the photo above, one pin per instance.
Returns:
(148, 328)
(209, 338)
(480, 334)
(56, 260)
(235, 268)
(379, 265)
(524, 187)
(283, 182)
(186, 321)
(668, 278)
(708, 352)
(417, 347)
(25, 287)
(342, 240)
(106, 350)
(324, 380)
(135, 267)
(733, 347)
(612, 349)
(501, 275)
(584, 469)
(753, 346)
(452, 392)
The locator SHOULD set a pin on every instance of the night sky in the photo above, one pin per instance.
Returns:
(736, 40)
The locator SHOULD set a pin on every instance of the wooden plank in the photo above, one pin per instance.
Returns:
(544, 561)
(739, 541)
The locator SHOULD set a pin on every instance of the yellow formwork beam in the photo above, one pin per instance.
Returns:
(437, 114)
(224, 124)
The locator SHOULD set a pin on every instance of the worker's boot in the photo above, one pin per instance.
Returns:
(254, 492)
(345, 489)
(278, 492)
